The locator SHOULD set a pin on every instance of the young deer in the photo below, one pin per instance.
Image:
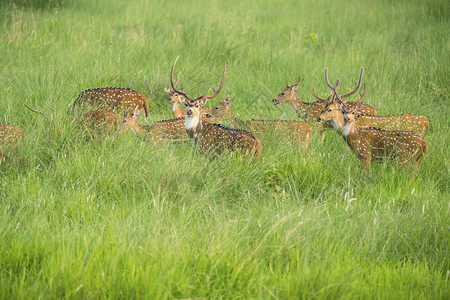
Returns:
(333, 111)
(166, 130)
(292, 130)
(373, 144)
(211, 137)
(113, 98)
(100, 120)
(309, 111)
(175, 98)
(10, 137)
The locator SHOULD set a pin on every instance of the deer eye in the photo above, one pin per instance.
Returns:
(282, 94)
(329, 110)
(216, 108)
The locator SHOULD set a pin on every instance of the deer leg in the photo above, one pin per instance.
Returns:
(322, 135)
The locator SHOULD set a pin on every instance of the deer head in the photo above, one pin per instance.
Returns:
(193, 105)
(222, 109)
(174, 97)
(333, 110)
(287, 95)
(129, 121)
(350, 113)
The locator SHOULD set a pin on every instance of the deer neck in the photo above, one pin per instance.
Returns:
(231, 119)
(139, 130)
(338, 123)
(193, 126)
(176, 109)
(297, 104)
(349, 132)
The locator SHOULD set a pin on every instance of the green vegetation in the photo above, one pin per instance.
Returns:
(123, 218)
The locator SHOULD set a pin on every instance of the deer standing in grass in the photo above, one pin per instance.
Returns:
(10, 137)
(309, 111)
(292, 130)
(211, 137)
(373, 144)
(114, 98)
(175, 98)
(166, 130)
(333, 111)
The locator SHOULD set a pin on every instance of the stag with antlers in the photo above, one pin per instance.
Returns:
(373, 144)
(211, 137)
(333, 111)
(309, 111)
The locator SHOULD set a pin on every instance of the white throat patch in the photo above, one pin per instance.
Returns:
(191, 122)
(346, 129)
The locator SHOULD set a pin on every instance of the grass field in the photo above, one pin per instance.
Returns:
(124, 218)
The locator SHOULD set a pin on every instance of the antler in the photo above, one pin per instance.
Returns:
(300, 80)
(357, 84)
(326, 79)
(361, 95)
(220, 87)
(174, 86)
(330, 95)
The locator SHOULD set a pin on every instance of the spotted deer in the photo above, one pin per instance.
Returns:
(333, 111)
(211, 137)
(100, 120)
(175, 98)
(10, 137)
(291, 130)
(113, 98)
(165, 130)
(309, 111)
(373, 144)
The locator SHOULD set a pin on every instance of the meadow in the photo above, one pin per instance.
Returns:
(124, 218)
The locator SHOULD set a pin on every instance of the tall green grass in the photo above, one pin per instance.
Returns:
(123, 218)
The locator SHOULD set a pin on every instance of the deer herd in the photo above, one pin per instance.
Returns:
(372, 137)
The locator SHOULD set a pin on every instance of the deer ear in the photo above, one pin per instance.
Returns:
(167, 90)
(135, 113)
(227, 101)
(183, 101)
(294, 88)
(358, 106)
(202, 101)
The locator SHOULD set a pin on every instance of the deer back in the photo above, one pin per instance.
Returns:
(373, 144)
(113, 98)
(216, 138)
(361, 108)
(298, 131)
(167, 130)
(10, 135)
(100, 118)
(409, 122)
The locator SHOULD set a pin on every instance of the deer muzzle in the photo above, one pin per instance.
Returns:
(275, 101)
(319, 119)
(189, 111)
